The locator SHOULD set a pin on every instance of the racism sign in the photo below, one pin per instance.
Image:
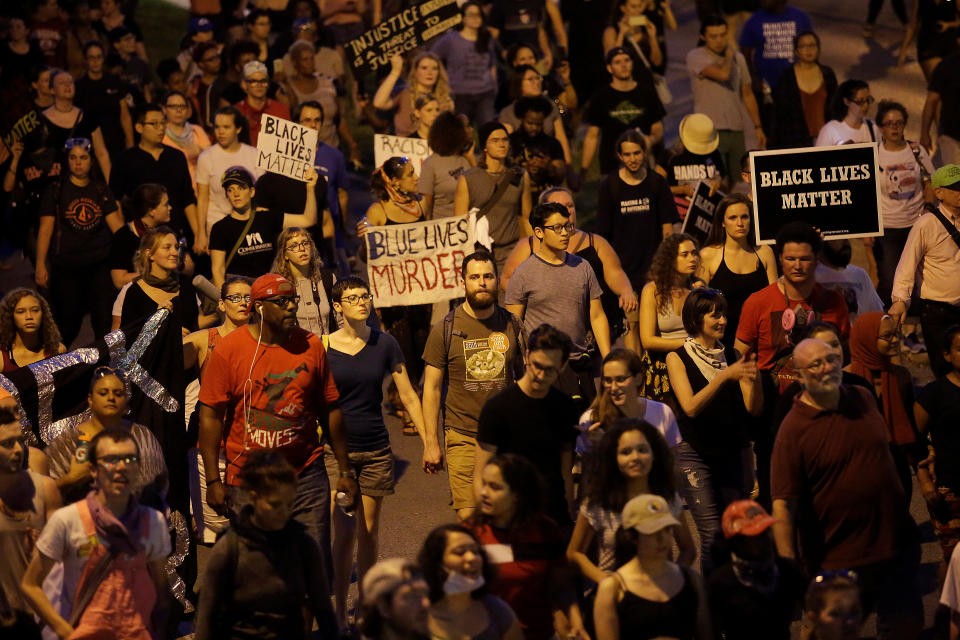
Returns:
(418, 263)
(385, 147)
(834, 189)
(285, 147)
(400, 33)
(699, 218)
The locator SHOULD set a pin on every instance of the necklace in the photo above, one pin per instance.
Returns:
(69, 110)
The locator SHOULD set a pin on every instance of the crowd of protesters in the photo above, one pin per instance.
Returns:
(644, 435)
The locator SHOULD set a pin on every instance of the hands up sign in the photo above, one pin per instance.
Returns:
(834, 189)
(400, 33)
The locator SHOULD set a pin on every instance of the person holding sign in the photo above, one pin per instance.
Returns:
(360, 358)
(244, 242)
(427, 76)
(733, 262)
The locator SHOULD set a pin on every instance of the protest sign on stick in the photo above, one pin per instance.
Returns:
(401, 32)
(286, 147)
(699, 218)
(418, 263)
(385, 147)
(834, 189)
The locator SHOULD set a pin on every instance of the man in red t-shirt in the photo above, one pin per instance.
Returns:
(255, 84)
(271, 377)
(774, 318)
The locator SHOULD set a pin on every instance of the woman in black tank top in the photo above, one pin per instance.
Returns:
(733, 233)
(650, 596)
(618, 294)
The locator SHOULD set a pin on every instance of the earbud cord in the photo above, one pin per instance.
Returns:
(248, 400)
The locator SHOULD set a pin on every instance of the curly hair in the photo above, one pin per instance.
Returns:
(393, 168)
(448, 135)
(606, 486)
(50, 334)
(280, 264)
(440, 90)
(663, 268)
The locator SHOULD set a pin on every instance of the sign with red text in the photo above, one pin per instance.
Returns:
(385, 147)
(285, 147)
(833, 189)
(418, 263)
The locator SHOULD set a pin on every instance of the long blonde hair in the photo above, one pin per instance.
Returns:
(148, 244)
(282, 266)
(440, 91)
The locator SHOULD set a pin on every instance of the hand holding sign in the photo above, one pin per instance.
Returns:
(286, 147)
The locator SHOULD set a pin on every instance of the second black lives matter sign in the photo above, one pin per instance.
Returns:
(834, 189)
(400, 33)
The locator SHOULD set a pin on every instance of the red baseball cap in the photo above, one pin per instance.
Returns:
(745, 517)
(269, 285)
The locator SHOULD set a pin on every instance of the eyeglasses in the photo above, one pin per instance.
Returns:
(294, 246)
(863, 101)
(264, 81)
(354, 299)
(818, 365)
(155, 123)
(283, 301)
(889, 337)
(178, 107)
(557, 228)
(236, 298)
(111, 462)
(894, 123)
(84, 143)
(609, 381)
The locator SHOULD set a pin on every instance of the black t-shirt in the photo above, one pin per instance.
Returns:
(631, 218)
(941, 399)
(122, 249)
(285, 194)
(743, 612)
(135, 166)
(945, 82)
(522, 145)
(538, 429)
(14, 64)
(690, 168)
(518, 20)
(254, 257)
(103, 97)
(81, 236)
(616, 111)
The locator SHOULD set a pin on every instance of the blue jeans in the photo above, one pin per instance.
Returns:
(709, 485)
(311, 508)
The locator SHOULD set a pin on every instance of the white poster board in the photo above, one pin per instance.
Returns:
(286, 147)
(385, 147)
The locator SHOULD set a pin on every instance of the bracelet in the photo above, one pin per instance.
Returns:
(213, 482)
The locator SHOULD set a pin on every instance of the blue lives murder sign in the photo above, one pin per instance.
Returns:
(834, 189)
(400, 33)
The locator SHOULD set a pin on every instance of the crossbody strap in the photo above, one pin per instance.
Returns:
(952, 230)
(243, 234)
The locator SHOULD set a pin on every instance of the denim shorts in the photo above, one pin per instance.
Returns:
(374, 469)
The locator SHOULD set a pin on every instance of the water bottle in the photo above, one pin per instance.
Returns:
(343, 501)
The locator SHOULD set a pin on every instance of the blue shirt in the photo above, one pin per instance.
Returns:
(771, 36)
(332, 165)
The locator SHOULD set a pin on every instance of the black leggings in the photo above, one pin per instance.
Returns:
(877, 5)
(75, 292)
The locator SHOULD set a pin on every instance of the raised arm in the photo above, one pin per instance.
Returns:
(382, 98)
(309, 216)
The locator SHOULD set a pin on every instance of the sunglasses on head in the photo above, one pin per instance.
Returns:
(84, 143)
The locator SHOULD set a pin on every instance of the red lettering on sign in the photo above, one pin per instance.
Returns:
(412, 275)
(424, 263)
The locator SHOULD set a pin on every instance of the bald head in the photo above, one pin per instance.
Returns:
(808, 351)
(819, 366)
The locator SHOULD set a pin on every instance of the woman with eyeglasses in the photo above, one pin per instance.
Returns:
(803, 95)
(717, 392)
(849, 108)
(78, 215)
(66, 121)
(181, 134)
(68, 453)
(874, 344)
(298, 260)
(395, 186)
(28, 332)
(360, 358)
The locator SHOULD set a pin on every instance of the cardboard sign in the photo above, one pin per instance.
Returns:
(834, 189)
(417, 263)
(19, 115)
(699, 218)
(400, 33)
(285, 147)
(385, 147)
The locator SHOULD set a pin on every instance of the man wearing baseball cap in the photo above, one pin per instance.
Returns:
(395, 602)
(272, 378)
(755, 593)
(244, 243)
(255, 84)
(934, 242)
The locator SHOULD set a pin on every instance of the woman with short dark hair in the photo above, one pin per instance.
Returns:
(451, 140)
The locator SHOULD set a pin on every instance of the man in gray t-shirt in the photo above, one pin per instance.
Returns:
(721, 87)
(558, 288)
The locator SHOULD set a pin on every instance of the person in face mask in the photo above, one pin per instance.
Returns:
(532, 574)
(834, 271)
(457, 571)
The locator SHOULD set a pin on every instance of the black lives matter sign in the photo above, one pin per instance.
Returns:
(699, 219)
(834, 189)
(400, 33)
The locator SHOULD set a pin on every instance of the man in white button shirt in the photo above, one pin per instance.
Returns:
(933, 246)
